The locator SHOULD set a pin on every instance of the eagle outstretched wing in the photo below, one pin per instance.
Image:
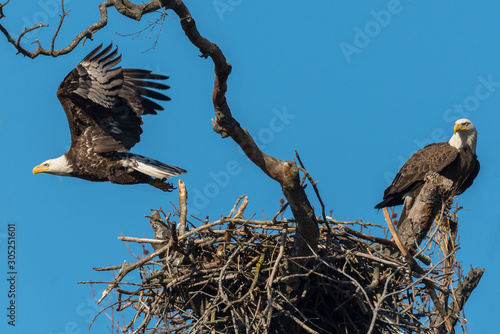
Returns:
(106, 102)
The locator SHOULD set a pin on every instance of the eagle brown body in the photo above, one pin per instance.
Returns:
(104, 107)
(455, 160)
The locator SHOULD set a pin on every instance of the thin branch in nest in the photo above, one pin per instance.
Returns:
(314, 184)
(182, 207)
(252, 286)
(270, 280)
(129, 249)
(388, 220)
(357, 222)
(235, 205)
(280, 212)
(381, 299)
(297, 320)
(103, 310)
(241, 209)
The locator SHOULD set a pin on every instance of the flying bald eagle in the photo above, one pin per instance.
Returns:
(455, 159)
(104, 105)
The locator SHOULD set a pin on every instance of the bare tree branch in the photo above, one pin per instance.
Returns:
(124, 7)
(63, 15)
(1, 8)
(182, 207)
(436, 190)
(284, 172)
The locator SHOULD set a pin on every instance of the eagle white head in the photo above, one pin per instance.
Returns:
(465, 135)
(58, 166)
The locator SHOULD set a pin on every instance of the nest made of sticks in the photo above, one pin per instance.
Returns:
(237, 275)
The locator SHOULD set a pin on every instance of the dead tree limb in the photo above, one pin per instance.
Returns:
(182, 207)
(1, 8)
(436, 190)
(286, 173)
(462, 294)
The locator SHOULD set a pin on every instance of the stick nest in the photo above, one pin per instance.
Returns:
(238, 275)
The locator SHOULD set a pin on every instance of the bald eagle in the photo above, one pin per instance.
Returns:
(104, 105)
(455, 159)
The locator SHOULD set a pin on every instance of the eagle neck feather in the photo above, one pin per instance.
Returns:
(461, 140)
(61, 166)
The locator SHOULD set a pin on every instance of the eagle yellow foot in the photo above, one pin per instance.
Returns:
(162, 184)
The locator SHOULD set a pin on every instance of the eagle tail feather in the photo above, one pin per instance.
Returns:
(152, 167)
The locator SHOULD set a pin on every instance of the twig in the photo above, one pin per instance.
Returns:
(182, 207)
(252, 286)
(297, 320)
(270, 280)
(281, 210)
(144, 240)
(241, 209)
(63, 15)
(236, 205)
(314, 184)
(381, 299)
(1, 9)
(388, 220)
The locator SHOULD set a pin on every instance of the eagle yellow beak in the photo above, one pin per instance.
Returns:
(40, 169)
(458, 127)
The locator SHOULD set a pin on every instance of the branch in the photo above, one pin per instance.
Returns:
(285, 173)
(63, 15)
(313, 183)
(436, 190)
(182, 207)
(1, 9)
(124, 7)
(462, 294)
(87, 33)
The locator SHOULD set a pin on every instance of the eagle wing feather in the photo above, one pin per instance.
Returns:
(432, 158)
(96, 93)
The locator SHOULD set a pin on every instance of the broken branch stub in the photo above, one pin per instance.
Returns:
(435, 191)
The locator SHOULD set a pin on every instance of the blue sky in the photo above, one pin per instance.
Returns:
(356, 88)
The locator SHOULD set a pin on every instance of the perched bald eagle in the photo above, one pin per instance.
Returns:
(104, 105)
(455, 159)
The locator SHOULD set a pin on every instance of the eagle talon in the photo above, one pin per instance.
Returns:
(162, 185)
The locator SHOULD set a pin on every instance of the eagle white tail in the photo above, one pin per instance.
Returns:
(149, 166)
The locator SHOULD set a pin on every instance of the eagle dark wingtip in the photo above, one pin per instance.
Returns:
(389, 201)
(92, 53)
(110, 60)
(136, 73)
(103, 52)
(159, 76)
